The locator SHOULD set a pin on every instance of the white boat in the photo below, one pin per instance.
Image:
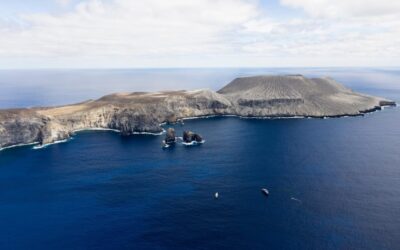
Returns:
(216, 195)
(265, 191)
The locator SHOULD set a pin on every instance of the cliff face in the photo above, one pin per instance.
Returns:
(261, 96)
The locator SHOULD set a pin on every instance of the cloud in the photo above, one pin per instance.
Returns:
(346, 8)
(63, 2)
(131, 27)
(154, 33)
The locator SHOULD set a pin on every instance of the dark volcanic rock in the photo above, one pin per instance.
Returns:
(387, 103)
(189, 136)
(129, 122)
(170, 136)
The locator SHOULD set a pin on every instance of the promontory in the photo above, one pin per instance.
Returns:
(144, 112)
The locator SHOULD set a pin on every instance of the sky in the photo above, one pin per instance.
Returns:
(199, 33)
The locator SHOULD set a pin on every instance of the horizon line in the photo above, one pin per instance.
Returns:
(217, 67)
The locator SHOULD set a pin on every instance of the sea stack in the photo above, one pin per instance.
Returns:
(189, 136)
(170, 137)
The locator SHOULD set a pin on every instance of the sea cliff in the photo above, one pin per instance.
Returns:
(143, 112)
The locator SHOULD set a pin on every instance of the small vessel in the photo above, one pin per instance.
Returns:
(216, 195)
(265, 191)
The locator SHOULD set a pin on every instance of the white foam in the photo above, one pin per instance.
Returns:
(259, 117)
(149, 133)
(19, 145)
(193, 143)
(208, 116)
(248, 117)
(97, 129)
(48, 144)
(198, 117)
(281, 117)
(90, 129)
(271, 117)
(118, 131)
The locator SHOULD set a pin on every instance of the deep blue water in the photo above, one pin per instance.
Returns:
(104, 191)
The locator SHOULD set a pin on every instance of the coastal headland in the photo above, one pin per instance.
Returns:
(143, 112)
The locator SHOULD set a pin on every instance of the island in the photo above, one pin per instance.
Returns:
(265, 96)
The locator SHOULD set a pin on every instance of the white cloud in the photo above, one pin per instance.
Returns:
(130, 27)
(63, 2)
(124, 33)
(346, 8)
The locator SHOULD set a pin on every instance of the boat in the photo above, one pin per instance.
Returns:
(265, 191)
(216, 195)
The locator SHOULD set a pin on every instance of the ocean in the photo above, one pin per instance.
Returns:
(333, 183)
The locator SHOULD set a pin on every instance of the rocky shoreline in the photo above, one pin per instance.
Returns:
(272, 97)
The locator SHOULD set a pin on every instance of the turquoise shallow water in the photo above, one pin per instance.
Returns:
(334, 183)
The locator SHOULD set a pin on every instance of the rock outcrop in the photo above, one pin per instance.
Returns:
(170, 137)
(189, 137)
(141, 112)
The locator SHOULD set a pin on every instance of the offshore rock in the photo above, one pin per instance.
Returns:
(170, 137)
(189, 136)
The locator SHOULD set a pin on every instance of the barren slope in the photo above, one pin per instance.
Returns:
(295, 95)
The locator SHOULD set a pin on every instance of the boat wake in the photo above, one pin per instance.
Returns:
(295, 199)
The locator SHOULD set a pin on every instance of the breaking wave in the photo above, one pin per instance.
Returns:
(97, 129)
(193, 143)
(19, 145)
(149, 133)
(49, 144)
